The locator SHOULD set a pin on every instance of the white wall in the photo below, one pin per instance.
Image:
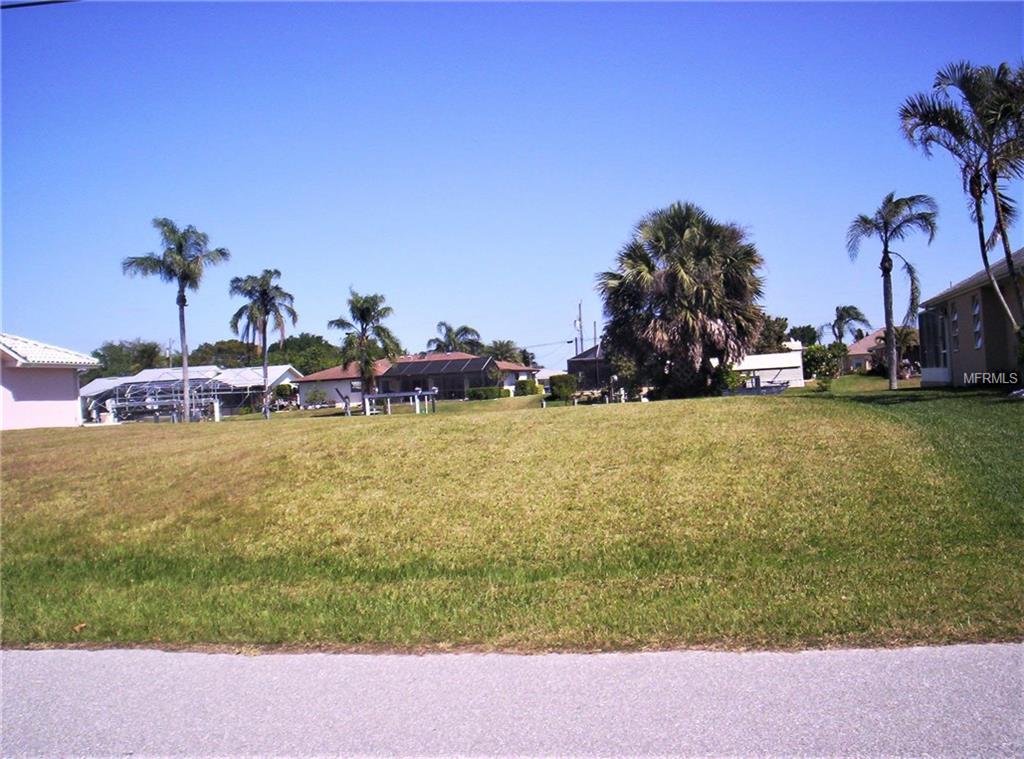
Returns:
(333, 389)
(39, 397)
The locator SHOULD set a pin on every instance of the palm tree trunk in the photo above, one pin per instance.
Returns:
(266, 389)
(185, 389)
(1014, 279)
(890, 337)
(979, 214)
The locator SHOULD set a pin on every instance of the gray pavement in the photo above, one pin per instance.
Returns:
(944, 701)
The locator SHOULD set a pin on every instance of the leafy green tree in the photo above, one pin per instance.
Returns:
(773, 335)
(846, 322)
(184, 258)
(502, 350)
(124, 358)
(455, 339)
(368, 340)
(824, 361)
(805, 333)
(892, 221)
(526, 358)
(226, 353)
(684, 293)
(268, 307)
(306, 352)
(974, 113)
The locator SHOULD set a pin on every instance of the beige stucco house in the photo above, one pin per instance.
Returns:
(966, 338)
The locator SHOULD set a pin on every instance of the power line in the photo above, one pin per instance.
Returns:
(544, 345)
(30, 3)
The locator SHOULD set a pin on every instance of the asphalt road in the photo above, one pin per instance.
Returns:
(948, 701)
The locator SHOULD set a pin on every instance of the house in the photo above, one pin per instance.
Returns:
(859, 356)
(39, 384)
(964, 331)
(453, 374)
(337, 383)
(154, 392)
(774, 370)
(591, 368)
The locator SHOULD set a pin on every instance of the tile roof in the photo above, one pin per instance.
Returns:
(863, 346)
(512, 366)
(28, 352)
(980, 278)
(348, 371)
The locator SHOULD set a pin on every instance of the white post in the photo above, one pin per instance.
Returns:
(622, 395)
(543, 403)
(416, 401)
(366, 406)
(388, 402)
(216, 409)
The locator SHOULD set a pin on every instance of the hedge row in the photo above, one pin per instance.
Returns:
(486, 393)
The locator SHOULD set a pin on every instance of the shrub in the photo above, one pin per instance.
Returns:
(528, 387)
(823, 384)
(284, 391)
(316, 397)
(486, 393)
(563, 386)
(823, 361)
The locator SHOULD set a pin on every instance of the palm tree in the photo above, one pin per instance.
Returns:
(368, 339)
(974, 114)
(894, 220)
(848, 318)
(503, 350)
(683, 294)
(185, 255)
(268, 306)
(452, 339)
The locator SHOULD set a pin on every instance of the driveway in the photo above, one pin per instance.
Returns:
(954, 700)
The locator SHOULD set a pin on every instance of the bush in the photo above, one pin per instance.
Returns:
(823, 361)
(316, 397)
(285, 391)
(823, 384)
(486, 393)
(563, 387)
(528, 387)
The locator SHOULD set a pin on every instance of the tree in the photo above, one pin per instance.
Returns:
(502, 350)
(894, 220)
(184, 257)
(773, 335)
(226, 353)
(124, 358)
(268, 306)
(846, 322)
(526, 358)
(682, 296)
(306, 352)
(368, 340)
(906, 341)
(824, 361)
(975, 114)
(805, 333)
(455, 339)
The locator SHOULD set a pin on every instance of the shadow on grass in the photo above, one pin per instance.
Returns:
(913, 395)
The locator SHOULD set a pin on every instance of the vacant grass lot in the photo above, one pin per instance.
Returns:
(852, 517)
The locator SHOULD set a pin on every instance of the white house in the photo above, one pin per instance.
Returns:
(337, 383)
(39, 384)
(773, 370)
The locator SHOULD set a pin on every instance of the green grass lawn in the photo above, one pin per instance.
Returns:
(855, 517)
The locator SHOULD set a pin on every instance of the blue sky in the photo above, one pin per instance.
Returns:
(474, 163)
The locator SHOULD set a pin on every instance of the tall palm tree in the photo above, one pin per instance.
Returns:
(368, 340)
(452, 339)
(185, 255)
(503, 350)
(268, 306)
(848, 318)
(974, 114)
(894, 220)
(683, 295)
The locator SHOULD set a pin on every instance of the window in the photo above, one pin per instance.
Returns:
(976, 316)
(954, 328)
(357, 386)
